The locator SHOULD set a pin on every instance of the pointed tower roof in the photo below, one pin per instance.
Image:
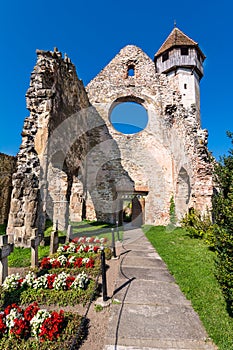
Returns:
(177, 38)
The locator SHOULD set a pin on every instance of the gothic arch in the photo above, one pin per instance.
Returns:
(183, 191)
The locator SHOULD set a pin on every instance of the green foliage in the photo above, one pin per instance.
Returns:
(2, 229)
(172, 211)
(98, 308)
(223, 217)
(198, 226)
(193, 265)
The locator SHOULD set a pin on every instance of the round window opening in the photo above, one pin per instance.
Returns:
(129, 117)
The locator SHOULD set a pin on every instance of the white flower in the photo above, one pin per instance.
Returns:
(71, 248)
(29, 279)
(80, 281)
(81, 248)
(11, 282)
(41, 282)
(10, 318)
(62, 260)
(60, 249)
(72, 259)
(85, 260)
(37, 321)
(60, 281)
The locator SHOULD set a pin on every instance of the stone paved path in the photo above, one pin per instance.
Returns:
(153, 314)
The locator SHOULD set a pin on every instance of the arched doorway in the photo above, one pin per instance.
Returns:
(132, 208)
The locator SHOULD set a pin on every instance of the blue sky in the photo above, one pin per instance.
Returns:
(93, 32)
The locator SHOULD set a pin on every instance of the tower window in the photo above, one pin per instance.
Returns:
(184, 51)
(131, 71)
(165, 56)
(185, 86)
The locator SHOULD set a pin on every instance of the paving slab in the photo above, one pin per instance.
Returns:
(165, 322)
(151, 312)
(157, 293)
(147, 274)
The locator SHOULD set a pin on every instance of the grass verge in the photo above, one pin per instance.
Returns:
(193, 266)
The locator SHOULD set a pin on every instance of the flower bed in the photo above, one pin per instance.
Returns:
(78, 248)
(35, 328)
(60, 289)
(33, 321)
(60, 281)
(67, 262)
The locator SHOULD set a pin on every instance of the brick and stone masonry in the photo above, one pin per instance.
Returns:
(73, 164)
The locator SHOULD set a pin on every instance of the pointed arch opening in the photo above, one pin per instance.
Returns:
(183, 191)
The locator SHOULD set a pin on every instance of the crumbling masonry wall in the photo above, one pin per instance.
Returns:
(169, 157)
(64, 143)
(7, 167)
(55, 93)
(74, 164)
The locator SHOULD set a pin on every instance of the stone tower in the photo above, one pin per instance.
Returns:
(74, 164)
(181, 59)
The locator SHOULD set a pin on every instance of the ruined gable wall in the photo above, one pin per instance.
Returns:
(166, 153)
(55, 94)
(7, 167)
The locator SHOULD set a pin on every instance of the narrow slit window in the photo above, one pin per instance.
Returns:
(131, 71)
(185, 86)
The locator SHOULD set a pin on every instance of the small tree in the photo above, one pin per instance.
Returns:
(172, 211)
(223, 218)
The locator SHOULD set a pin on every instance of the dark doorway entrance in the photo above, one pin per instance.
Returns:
(132, 209)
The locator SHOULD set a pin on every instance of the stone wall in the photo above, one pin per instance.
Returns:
(55, 94)
(7, 167)
(169, 157)
(73, 164)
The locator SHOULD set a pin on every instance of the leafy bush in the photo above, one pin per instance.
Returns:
(223, 217)
(199, 226)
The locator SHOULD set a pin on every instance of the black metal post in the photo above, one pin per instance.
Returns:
(113, 243)
(104, 280)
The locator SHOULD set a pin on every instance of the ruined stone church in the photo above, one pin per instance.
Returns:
(73, 164)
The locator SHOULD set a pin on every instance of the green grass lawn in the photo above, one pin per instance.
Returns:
(192, 264)
(21, 257)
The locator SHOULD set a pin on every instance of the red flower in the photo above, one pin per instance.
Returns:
(90, 263)
(69, 281)
(56, 263)
(52, 326)
(31, 311)
(96, 248)
(78, 262)
(45, 263)
(86, 249)
(2, 323)
(21, 328)
(50, 280)
(12, 306)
